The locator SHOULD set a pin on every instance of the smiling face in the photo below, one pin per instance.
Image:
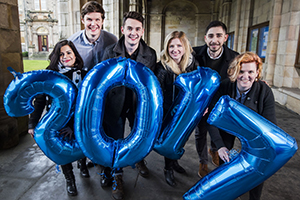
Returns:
(215, 38)
(67, 56)
(247, 76)
(133, 31)
(176, 50)
(92, 23)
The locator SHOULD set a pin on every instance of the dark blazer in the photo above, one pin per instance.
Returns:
(229, 54)
(260, 99)
(166, 79)
(116, 97)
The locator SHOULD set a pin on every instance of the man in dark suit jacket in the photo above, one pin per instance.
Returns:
(217, 56)
(120, 102)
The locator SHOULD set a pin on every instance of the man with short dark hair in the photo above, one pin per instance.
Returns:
(217, 56)
(90, 44)
(92, 41)
(130, 45)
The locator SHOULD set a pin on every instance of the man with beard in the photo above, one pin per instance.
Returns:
(92, 41)
(121, 101)
(217, 56)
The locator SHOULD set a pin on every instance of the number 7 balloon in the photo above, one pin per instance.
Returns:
(265, 149)
(18, 99)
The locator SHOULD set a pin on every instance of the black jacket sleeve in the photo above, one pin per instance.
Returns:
(39, 105)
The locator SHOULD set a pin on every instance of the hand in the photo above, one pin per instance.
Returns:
(31, 132)
(223, 154)
(206, 111)
(265, 82)
(67, 132)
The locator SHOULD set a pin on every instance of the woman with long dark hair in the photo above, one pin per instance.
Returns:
(66, 60)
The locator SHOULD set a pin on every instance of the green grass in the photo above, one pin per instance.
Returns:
(30, 65)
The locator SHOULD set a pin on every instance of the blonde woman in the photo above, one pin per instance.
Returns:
(176, 58)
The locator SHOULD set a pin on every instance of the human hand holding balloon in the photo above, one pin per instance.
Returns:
(31, 132)
(223, 154)
(67, 132)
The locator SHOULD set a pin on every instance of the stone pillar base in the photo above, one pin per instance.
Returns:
(10, 129)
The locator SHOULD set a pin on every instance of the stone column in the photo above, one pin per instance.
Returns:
(274, 28)
(51, 41)
(156, 35)
(226, 12)
(10, 55)
(237, 24)
(135, 5)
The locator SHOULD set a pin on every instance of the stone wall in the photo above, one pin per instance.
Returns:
(165, 16)
(10, 55)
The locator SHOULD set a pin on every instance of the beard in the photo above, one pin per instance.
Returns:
(214, 49)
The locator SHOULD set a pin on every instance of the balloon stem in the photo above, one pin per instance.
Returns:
(16, 74)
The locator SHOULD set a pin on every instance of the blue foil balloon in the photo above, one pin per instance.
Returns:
(95, 144)
(196, 91)
(18, 100)
(265, 149)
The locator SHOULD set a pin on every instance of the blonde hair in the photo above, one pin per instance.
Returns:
(236, 65)
(167, 60)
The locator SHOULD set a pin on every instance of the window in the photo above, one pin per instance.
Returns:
(230, 40)
(43, 42)
(258, 39)
(297, 64)
(40, 5)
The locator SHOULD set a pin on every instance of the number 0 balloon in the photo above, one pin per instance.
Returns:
(265, 149)
(95, 144)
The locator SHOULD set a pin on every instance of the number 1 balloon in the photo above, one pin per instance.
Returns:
(89, 132)
(265, 149)
(18, 99)
(196, 90)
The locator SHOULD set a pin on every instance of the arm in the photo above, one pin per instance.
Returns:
(268, 111)
(152, 64)
(39, 105)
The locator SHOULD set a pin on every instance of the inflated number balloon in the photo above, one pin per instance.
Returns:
(265, 149)
(18, 99)
(90, 135)
(196, 90)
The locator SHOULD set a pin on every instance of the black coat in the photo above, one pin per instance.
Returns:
(229, 54)
(166, 79)
(43, 101)
(260, 99)
(116, 97)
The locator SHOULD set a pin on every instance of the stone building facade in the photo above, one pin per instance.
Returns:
(267, 27)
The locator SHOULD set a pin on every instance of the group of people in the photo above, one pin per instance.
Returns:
(239, 75)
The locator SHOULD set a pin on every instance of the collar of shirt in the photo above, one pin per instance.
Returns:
(241, 96)
(133, 55)
(86, 41)
(216, 57)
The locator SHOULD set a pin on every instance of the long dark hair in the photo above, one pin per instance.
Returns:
(55, 54)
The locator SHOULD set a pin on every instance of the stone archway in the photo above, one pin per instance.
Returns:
(181, 16)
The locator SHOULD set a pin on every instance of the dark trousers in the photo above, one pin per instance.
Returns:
(201, 140)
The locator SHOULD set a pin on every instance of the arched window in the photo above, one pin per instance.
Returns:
(42, 34)
(40, 5)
